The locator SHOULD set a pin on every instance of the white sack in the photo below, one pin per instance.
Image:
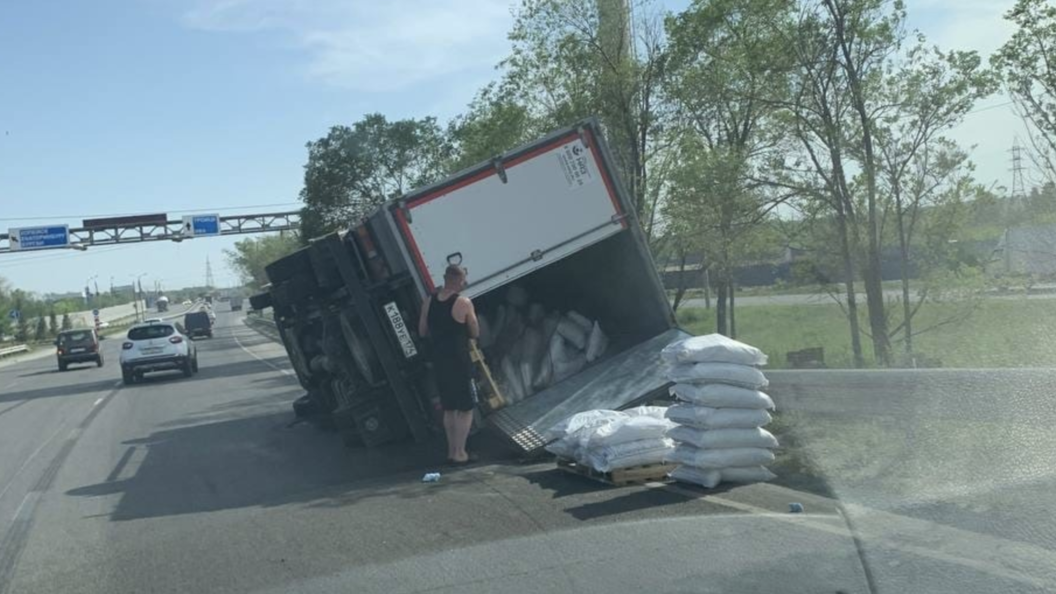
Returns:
(717, 373)
(485, 338)
(723, 438)
(580, 319)
(718, 459)
(512, 374)
(517, 296)
(657, 412)
(722, 396)
(597, 342)
(531, 349)
(714, 348)
(585, 419)
(627, 454)
(705, 417)
(747, 474)
(626, 430)
(572, 332)
(565, 360)
(536, 313)
(697, 476)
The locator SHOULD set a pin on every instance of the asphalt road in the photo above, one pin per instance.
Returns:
(209, 484)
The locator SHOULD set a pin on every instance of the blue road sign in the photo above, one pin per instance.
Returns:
(14, 314)
(201, 225)
(39, 238)
(95, 312)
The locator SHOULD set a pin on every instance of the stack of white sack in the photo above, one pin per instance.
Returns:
(608, 440)
(720, 412)
(535, 349)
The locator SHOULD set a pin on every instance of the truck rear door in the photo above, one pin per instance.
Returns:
(530, 208)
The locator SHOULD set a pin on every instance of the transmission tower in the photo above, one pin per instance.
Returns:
(1018, 194)
(208, 273)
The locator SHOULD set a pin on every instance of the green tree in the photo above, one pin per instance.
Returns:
(353, 169)
(1027, 64)
(53, 322)
(725, 76)
(920, 170)
(40, 330)
(492, 125)
(22, 324)
(67, 323)
(250, 256)
(573, 59)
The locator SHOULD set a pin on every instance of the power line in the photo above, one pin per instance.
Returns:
(188, 210)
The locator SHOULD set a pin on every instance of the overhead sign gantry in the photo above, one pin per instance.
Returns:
(141, 228)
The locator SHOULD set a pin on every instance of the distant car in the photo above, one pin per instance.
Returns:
(77, 346)
(157, 346)
(152, 320)
(186, 302)
(236, 305)
(198, 323)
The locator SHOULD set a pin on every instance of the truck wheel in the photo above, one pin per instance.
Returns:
(303, 407)
(127, 377)
(99, 361)
(188, 368)
(62, 366)
(194, 364)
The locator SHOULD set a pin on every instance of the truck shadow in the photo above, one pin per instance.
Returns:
(265, 460)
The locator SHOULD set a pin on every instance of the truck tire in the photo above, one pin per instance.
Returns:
(99, 361)
(304, 407)
(127, 377)
(188, 368)
(62, 366)
(194, 365)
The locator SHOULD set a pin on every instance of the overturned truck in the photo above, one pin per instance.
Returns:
(559, 271)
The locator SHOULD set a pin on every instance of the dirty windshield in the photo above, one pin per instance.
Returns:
(528, 295)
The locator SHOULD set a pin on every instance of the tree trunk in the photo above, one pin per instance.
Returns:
(732, 312)
(848, 281)
(720, 307)
(903, 263)
(680, 288)
(707, 289)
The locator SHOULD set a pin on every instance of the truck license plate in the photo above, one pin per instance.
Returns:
(77, 350)
(402, 335)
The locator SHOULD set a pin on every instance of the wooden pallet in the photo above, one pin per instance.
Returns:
(635, 475)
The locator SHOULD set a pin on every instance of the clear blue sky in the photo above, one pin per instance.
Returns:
(136, 106)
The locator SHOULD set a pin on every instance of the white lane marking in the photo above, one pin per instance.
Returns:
(28, 460)
(18, 510)
(75, 434)
(97, 402)
(264, 361)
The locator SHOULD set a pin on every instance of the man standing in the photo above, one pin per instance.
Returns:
(450, 321)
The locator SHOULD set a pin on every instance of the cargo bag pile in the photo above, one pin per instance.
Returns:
(608, 440)
(534, 349)
(720, 412)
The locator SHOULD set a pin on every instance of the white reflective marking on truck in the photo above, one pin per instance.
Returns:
(573, 160)
(406, 343)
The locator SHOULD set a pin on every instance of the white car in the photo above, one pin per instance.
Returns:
(157, 346)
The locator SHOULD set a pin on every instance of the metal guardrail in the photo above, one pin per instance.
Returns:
(22, 348)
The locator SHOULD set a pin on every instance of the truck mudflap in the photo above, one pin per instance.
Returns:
(625, 380)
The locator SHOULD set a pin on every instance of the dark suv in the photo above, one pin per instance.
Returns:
(197, 324)
(77, 346)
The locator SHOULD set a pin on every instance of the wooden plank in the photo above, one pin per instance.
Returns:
(624, 476)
